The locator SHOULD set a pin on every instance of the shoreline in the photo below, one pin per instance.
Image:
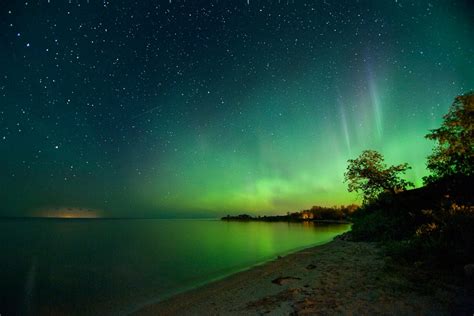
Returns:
(339, 277)
(197, 287)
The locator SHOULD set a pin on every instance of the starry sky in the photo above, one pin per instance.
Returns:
(203, 108)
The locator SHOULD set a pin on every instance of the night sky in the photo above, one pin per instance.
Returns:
(187, 108)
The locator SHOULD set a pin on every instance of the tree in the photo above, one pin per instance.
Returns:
(454, 153)
(369, 175)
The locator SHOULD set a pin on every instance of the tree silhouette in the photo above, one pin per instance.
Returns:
(454, 153)
(369, 175)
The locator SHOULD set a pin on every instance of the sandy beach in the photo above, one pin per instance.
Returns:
(338, 278)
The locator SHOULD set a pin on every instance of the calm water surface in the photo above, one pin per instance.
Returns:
(114, 266)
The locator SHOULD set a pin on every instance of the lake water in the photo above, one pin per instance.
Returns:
(114, 266)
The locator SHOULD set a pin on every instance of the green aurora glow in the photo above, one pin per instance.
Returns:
(262, 120)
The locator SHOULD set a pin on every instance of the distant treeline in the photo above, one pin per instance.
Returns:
(316, 213)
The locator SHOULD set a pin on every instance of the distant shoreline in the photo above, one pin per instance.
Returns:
(281, 218)
(321, 221)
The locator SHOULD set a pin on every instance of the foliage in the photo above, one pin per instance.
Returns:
(445, 239)
(376, 225)
(369, 175)
(441, 233)
(432, 224)
(454, 153)
(449, 232)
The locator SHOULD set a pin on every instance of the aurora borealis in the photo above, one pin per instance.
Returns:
(183, 108)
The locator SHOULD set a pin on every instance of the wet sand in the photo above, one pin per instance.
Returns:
(338, 278)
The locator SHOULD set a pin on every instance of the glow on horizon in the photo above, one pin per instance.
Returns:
(67, 212)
